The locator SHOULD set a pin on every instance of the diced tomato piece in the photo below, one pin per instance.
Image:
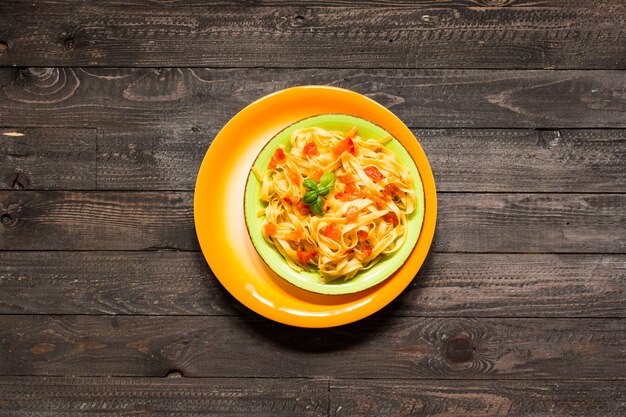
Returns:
(295, 178)
(392, 190)
(367, 251)
(303, 208)
(391, 217)
(352, 214)
(305, 257)
(310, 149)
(287, 199)
(373, 173)
(332, 232)
(362, 235)
(296, 234)
(346, 178)
(279, 156)
(350, 193)
(345, 145)
(315, 176)
(270, 229)
(349, 251)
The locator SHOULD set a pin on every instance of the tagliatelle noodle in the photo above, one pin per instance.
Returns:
(364, 215)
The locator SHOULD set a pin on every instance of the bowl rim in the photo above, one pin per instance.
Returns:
(332, 290)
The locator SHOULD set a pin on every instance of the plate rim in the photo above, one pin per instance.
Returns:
(322, 313)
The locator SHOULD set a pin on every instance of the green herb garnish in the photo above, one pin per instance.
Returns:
(313, 197)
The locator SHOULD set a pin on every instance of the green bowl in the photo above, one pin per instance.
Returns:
(311, 280)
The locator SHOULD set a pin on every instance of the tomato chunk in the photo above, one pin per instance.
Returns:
(279, 156)
(345, 145)
(287, 199)
(373, 173)
(270, 229)
(391, 190)
(362, 235)
(305, 257)
(310, 149)
(346, 178)
(303, 208)
(367, 251)
(391, 217)
(315, 176)
(295, 178)
(352, 214)
(332, 232)
(350, 193)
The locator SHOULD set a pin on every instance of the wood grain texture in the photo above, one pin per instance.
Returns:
(96, 220)
(156, 282)
(485, 160)
(476, 398)
(208, 98)
(467, 222)
(312, 36)
(160, 397)
(581, 223)
(166, 158)
(181, 283)
(40, 158)
(373, 348)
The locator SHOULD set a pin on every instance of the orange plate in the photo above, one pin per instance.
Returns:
(220, 225)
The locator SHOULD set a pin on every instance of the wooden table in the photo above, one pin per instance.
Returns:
(107, 305)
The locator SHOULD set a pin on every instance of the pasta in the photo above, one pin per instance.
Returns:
(335, 201)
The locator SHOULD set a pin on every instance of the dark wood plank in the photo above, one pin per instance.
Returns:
(477, 398)
(96, 220)
(467, 222)
(156, 282)
(526, 160)
(166, 158)
(208, 98)
(422, 36)
(175, 283)
(39, 158)
(476, 285)
(249, 347)
(492, 4)
(74, 397)
(580, 223)
(511, 160)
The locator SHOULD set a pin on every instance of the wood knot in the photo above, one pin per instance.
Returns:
(7, 220)
(549, 138)
(459, 349)
(69, 43)
(175, 373)
(3, 47)
(299, 19)
(18, 181)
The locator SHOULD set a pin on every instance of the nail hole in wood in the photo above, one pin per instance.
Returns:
(299, 19)
(174, 373)
(3, 47)
(6, 219)
(69, 43)
(459, 349)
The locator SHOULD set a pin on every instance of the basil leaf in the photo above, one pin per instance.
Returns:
(323, 190)
(328, 180)
(310, 184)
(317, 207)
(310, 197)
